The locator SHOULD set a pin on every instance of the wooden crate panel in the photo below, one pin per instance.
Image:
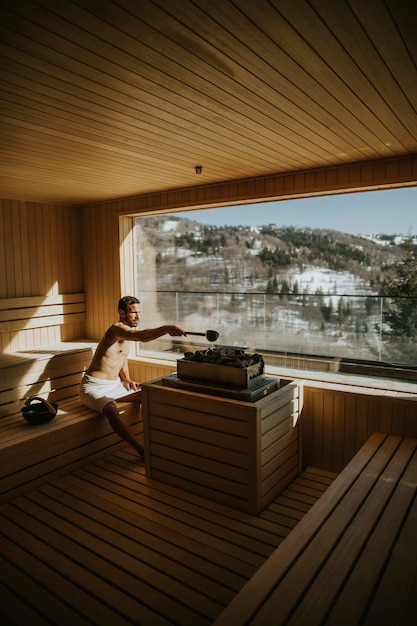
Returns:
(209, 473)
(200, 418)
(218, 438)
(280, 452)
(222, 407)
(217, 444)
(279, 484)
(200, 448)
(217, 495)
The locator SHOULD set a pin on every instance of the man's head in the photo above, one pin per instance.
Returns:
(129, 311)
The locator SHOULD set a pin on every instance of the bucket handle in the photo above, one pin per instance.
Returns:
(46, 404)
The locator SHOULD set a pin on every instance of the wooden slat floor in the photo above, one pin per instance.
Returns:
(106, 545)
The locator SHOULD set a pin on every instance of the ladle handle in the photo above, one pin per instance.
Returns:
(190, 333)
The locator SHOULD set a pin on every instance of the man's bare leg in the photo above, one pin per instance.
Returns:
(119, 425)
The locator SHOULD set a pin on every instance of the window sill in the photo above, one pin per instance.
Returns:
(332, 380)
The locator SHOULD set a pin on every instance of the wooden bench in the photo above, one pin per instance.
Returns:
(353, 558)
(40, 357)
(33, 455)
(31, 365)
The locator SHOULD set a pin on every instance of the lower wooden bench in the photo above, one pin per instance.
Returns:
(353, 558)
(33, 455)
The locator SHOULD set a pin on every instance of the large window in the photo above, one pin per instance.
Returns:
(327, 283)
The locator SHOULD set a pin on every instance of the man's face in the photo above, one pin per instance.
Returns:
(132, 315)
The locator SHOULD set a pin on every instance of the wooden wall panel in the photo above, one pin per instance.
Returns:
(142, 371)
(335, 424)
(372, 175)
(33, 259)
(46, 250)
(40, 256)
(101, 267)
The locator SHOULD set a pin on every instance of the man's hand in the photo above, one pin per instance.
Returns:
(131, 385)
(175, 331)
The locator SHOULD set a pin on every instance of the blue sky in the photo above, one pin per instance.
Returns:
(366, 213)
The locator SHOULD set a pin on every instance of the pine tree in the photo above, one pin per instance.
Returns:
(401, 316)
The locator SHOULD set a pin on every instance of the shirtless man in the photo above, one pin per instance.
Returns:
(107, 379)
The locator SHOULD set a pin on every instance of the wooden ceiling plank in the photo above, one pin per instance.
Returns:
(378, 53)
(391, 26)
(119, 137)
(65, 157)
(121, 121)
(244, 131)
(108, 99)
(165, 95)
(205, 56)
(291, 52)
(326, 60)
(293, 143)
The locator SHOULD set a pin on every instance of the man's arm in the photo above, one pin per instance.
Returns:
(125, 378)
(131, 334)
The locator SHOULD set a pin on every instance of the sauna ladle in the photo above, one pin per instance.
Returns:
(210, 335)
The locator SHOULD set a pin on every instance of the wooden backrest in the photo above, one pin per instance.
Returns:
(53, 373)
(37, 321)
(41, 353)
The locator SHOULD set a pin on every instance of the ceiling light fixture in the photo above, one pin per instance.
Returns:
(198, 169)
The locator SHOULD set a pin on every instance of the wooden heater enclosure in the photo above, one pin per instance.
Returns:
(241, 454)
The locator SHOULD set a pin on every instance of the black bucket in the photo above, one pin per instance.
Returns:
(39, 411)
